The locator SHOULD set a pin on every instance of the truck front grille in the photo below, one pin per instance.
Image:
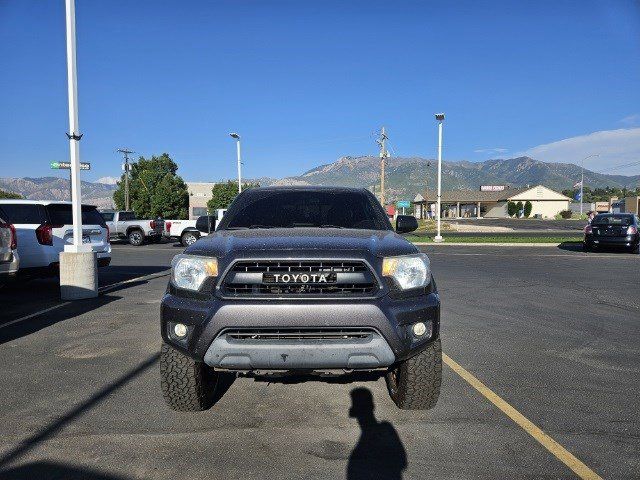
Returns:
(261, 334)
(303, 278)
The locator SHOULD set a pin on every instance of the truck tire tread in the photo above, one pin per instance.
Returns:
(415, 383)
(187, 385)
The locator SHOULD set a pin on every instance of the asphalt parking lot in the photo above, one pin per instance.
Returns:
(552, 334)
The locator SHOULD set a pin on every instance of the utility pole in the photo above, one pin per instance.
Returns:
(126, 154)
(382, 141)
(426, 191)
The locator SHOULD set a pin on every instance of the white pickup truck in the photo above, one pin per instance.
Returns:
(125, 226)
(189, 231)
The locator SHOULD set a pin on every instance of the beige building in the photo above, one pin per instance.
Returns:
(199, 195)
(632, 205)
(545, 202)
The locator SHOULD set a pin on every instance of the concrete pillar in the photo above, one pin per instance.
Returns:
(458, 215)
(478, 210)
(78, 275)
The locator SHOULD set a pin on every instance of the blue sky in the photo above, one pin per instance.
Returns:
(305, 82)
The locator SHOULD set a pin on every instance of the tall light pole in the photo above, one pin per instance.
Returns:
(78, 267)
(582, 179)
(440, 119)
(237, 137)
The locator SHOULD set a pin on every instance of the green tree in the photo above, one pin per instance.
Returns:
(155, 189)
(222, 194)
(519, 208)
(512, 209)
(5, 194)
(527, 209)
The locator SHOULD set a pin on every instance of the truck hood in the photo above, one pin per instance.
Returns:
(302, 242)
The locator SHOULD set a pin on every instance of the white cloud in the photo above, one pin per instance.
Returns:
(108, 180)
(491, 150)
(630, 120)
(615, 147)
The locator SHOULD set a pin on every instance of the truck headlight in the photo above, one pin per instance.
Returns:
(189, 271)
(409, 271)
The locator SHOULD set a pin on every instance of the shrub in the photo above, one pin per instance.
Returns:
(512, 209)
(527, 209)
(566, 213)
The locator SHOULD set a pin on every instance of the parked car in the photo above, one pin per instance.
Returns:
(189, 231)
(44, 227)
(9, 258)
(125, 225)
(302, 280)
(612, 230)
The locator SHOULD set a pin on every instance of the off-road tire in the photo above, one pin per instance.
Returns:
(184, 240)
(135, 237)
(187, 385)
(586, 247)
(414, 384)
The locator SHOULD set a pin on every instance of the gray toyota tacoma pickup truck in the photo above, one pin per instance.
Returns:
(302, 280)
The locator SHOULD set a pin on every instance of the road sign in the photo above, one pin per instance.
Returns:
(67, 166)
(404, 204)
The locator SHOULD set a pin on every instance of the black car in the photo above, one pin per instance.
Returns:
(302, 280)
(612, 230)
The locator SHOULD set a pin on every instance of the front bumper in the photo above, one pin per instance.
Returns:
(389, 318)
(229, 352)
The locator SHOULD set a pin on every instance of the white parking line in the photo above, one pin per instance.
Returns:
(103, 289)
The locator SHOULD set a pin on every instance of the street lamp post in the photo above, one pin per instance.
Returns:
(237, 137)
(440, 119)
(78, 268)
(582, 179)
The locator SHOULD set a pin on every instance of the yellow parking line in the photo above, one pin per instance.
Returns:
(545, 440)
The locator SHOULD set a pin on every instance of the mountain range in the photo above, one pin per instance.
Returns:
(404, 178)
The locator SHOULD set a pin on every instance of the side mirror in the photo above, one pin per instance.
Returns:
(406, 223)
(205, 224)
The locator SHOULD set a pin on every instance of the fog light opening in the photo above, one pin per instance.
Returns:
(180, 330)
(419, 329)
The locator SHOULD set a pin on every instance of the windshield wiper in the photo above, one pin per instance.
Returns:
(328, 225)
(261, 226)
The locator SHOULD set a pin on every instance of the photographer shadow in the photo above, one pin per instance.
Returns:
(379, 452)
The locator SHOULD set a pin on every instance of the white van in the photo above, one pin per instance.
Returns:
(44, 227)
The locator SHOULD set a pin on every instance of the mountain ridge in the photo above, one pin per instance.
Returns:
(405, 177)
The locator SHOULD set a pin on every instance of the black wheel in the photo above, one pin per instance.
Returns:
(414, 384)
(636, 249)
(188, 238)
(586, 247)
(187, 385)
(136, 238)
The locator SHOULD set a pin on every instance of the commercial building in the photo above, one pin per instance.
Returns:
(199, 195)
(632, 205)
(490, 202)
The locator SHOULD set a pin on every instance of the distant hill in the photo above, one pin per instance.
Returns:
(54, 188)
(405, 177)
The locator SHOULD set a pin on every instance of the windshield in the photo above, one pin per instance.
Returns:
(623, 220)
(305, 208)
